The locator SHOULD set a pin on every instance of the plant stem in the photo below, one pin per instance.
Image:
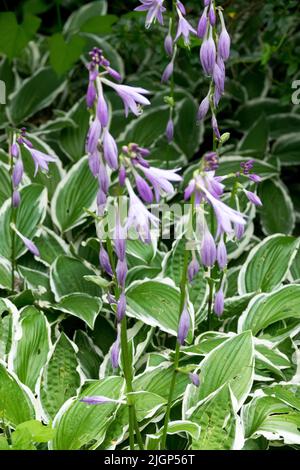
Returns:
(177, 351)
(133, 424)
(12, 220)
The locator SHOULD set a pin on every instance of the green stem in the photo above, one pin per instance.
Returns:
(133, 424)
(177, 352)
(12, 222)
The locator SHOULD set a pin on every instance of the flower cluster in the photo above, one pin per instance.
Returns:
(133, 171)
(214, 52)
(40, 160)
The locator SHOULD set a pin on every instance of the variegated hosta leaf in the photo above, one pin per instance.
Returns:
(82, 306)
(16, 401)
(266, 309)
(69, 203)
(272, 418)
(79, 425)
(31, 346)
(267, 264)
(8, 322)
(60, 379)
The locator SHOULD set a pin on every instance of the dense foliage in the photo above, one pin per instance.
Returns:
(60, 309)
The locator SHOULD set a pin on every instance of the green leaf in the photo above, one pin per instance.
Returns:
(38, 282)
(88, 354)
(281, 124)
(252, 110)
(156, 303)
(283, 219)
(184, 426)
(270, 417)
(68, 202)
(147, 404)
(286, 149)
(79, 425)
(29, 215)
(82, 306)
(16, 403)
(267, 264)
(266, 309)
(83, 14)
(295, 267)
(232, 363)
(256, 139)
(60, 378)
(72, 139)
(67, 277)
(5, 274)
(100, 25)
(30, 432)
(36, 93)
(188, 133)
(5, 188)
(218, 422)
(31, 349)
(15, 37)
(8, 316)
(63, 55)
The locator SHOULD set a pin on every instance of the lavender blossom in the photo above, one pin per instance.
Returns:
(104, 261)
(170, 130)
(15, 150)
(221, 254)
(121, 307)
(253, 198)
(18, 172)
(93, 136)
(184, 29)
(143, 188)
(168, 44)
(239, 231)
(28, 243)
(115, 352)
(208, 249)
(224, 40)
(94, 163)
(122, 175)
(208, 53)
(219, 302)
(219, 78)
(194, 378)
(202, 25)
(110, 150)
(203, 108)
(193, 269)
(160, 180)
(168, 72)
(212, 14)
(131, 96)
(184, 326)
(97, 400)
(181, 7)
(121, 272)
(155, 11)
(102, 109)
(91, 94)
(16, 198)
(214, 124)
(40, 159)
(119, 239)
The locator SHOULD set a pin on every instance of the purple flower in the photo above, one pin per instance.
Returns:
(212, 14)
(203, 108)
(18, 172)
(208, 249)
(239, 231)
(226, 216)
(194, 378)
(214, 125)
(121, 272)
(114, 74)
(184, 326)
(202, 25)
(208, 54)
(169, 45)
(219, 78)
(155, 11)
(219, 302)
(28, 243)
(181, 7)
(119, 239)
(110, 150)
(103, 177)
(102, 109)
(184, 29)
(97, 400)
(206, 2)
(170, 130)
(224, 40)
(193, 269)
(132, 96)
(221, 254)
(122, 175)
(253, 198)
(255, 178)
(167, 72)
(16, 198)
(101, 202)
(115, 352)
(91, 94)
(93, 136)
(14, 151)
(160, 180)
(121, 307)
(104, 261)
(143, 188)
(40, 159)
(138, 216)
(94, 162)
